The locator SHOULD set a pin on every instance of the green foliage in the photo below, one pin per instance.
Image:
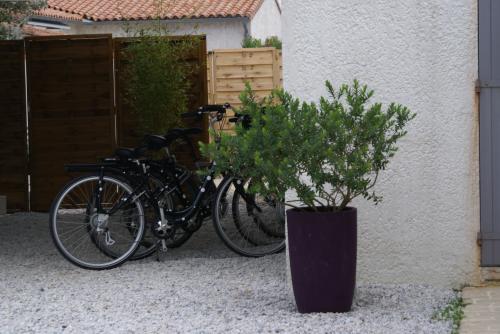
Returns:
(273, 41)
(453, 312)
(157, 78)
(328, 153)
(14, 13)
(250, 42)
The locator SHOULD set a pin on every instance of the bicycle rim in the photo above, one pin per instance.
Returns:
(92, 239)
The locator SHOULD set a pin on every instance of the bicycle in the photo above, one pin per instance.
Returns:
(116, 217)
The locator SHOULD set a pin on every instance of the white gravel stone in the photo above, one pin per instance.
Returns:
(200, 288)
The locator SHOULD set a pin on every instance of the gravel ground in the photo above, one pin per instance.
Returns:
(199, 288)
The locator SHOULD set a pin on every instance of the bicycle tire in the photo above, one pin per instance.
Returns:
(231, 235)
(97, 221)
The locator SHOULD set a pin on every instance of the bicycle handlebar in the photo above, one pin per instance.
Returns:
(219, 108)
(215, 107)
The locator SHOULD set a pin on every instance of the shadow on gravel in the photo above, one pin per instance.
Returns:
(25, 240)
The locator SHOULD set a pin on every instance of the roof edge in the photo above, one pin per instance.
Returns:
(82, 16)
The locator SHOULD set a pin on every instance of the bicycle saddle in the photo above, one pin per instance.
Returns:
(155, 142)
(176, 133)
(130, 153)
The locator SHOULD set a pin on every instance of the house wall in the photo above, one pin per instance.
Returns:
(221, 33)
(423, 55)
(267, 21)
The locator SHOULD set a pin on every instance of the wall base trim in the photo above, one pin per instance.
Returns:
(489, 274)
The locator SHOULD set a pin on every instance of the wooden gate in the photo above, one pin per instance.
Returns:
(13, 139)
(230, 69)
(71, 116)
(489, 84)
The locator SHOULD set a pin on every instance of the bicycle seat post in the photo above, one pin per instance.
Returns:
(167, 151)
(215, 118)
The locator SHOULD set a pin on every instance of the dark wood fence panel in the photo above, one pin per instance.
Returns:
(13, 152)
(71, 99)
(128, 136)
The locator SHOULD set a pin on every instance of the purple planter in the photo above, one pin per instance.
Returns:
(322, 248)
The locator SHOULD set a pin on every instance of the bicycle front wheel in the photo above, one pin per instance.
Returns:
(84, 229)
(242, 227)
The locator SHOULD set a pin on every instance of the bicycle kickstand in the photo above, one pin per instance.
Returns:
(161, 250)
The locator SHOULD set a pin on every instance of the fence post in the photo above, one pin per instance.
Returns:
(210, 77)
(276, 69)
(13, 141)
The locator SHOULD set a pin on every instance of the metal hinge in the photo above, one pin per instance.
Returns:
(487, 236)
(486, 84)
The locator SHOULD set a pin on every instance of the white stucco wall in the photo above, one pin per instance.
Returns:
(221, 33)
(423, 55)
(267, 21)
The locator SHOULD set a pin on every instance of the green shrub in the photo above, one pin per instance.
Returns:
(250, 42)
(328, 153)
(274, 42)
(157, 79)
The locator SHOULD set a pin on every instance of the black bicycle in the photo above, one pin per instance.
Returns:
(98, 221)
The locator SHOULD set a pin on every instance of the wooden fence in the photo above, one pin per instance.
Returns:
(73, 117)
(13, 141)
(77, 110)
(229, 70)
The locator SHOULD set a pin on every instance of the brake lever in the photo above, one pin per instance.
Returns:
(220, 116)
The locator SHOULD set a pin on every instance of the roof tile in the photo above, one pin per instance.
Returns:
(49, 12)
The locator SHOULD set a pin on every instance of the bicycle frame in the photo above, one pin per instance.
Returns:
(135, 171)
(189, 212)
(141, 187)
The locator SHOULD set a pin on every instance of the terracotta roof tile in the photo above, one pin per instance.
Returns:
(49, 12)
(111, 10)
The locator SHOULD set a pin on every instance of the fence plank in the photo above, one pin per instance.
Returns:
(244, 58)
(13, 140)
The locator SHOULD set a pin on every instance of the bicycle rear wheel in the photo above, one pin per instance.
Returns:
(241, 230)
(174, 200)
(94, 238)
